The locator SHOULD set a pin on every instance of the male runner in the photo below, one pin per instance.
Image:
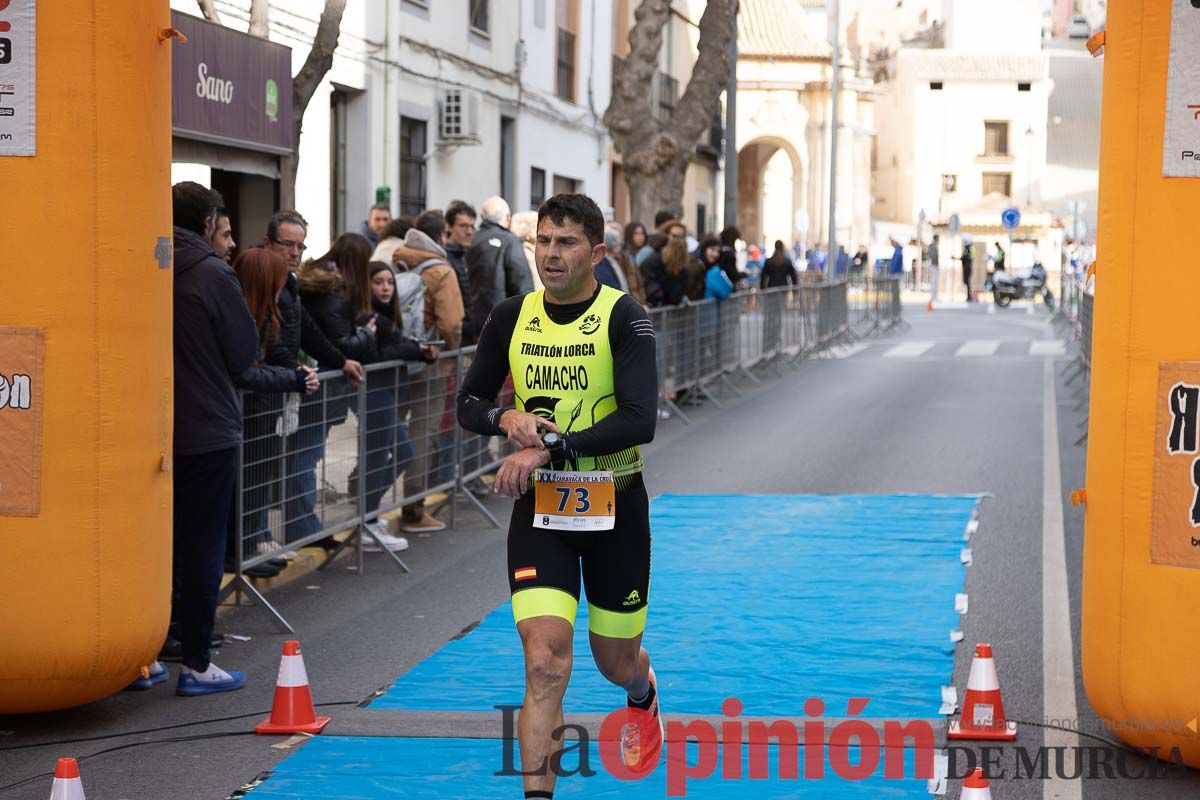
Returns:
(582, 360)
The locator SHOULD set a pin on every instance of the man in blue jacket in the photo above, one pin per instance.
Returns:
(215, 340)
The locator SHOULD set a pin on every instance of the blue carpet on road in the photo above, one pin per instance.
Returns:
(769, 599)
(352, 768)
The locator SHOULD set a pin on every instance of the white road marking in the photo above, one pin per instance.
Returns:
(978, 347)
(1047, 347)
(909, 350)
(1058, 660)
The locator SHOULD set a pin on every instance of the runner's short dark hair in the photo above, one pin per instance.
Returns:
(577, 208)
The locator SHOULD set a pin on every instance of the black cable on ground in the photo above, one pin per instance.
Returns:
(162, 728)
(130, 745)
(1109, 742)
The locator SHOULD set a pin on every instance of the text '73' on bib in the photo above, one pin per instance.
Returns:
(574, 501)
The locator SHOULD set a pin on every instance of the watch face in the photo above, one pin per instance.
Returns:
(551, 438)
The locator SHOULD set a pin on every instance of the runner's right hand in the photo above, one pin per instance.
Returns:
(524, 429)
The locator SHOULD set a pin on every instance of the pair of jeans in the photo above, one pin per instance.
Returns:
(380, 439)
(204, 486)
(305, 449)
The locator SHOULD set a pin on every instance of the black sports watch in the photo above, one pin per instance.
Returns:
(555, 446)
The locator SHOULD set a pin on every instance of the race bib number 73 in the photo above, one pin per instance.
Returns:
(574, 501)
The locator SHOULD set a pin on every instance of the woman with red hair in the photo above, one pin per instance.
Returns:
(262, 274)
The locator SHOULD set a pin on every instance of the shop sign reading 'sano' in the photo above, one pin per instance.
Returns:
(21, 375)
(230, 88)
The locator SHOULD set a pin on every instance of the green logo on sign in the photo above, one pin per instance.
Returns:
(272, 100)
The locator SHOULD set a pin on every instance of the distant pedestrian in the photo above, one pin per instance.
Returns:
(933, 258)
(1000, 257)
(377, 219)
(460, 230)
(968, 261)
(524, 227)
(896, 262)
(778, 269)
(729, 239)
(609, 271)
(496, 265)
(391, 238)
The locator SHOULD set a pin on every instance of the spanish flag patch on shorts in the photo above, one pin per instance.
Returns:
(525, 574)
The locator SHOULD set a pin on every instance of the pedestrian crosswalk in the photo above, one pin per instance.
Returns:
(945, 348)
(979, 347)
(909, 350)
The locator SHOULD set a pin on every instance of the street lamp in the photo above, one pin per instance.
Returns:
(1029, 183)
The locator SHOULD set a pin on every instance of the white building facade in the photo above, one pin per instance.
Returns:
(430, 101)
(963, 130)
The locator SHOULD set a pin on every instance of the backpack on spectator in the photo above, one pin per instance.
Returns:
(410, 290)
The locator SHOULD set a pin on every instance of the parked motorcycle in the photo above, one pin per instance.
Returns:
(1006, 288)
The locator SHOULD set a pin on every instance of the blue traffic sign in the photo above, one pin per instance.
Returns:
(1010, 218)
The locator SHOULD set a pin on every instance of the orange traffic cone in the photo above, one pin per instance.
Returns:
(975, 787)
(983, 709)
(67, 785)
(292, 711)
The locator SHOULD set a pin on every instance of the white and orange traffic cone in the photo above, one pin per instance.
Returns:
(975, 787)
(983, 709)
(67, 785)
(292, 711)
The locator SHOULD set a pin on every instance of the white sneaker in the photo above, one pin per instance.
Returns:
(380, 529)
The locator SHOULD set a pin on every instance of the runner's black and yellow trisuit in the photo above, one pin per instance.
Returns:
(591, 368)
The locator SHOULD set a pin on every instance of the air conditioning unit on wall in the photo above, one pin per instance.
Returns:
(458, 118)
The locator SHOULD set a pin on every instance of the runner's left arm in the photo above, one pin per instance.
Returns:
(477, 409)
(635, 374)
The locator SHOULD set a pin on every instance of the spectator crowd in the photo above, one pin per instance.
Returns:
(256, 327)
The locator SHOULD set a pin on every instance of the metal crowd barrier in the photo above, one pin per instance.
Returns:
(1075, 314)
(336, 461)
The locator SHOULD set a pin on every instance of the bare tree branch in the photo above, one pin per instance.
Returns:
(694, 112)
(210, 11)
(630, 108)
(655, 155)
(260, 18)
(304, 86)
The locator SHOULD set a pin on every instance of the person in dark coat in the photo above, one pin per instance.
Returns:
(216, 347)
(496, 264)
(778, 269)
(652, 269)
(389, 447)
(728, 261)
(460, 234)
(332, 299)
(262, 274)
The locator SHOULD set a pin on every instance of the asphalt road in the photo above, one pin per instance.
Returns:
(924, 419)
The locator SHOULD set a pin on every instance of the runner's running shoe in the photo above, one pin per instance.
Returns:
(638, 747)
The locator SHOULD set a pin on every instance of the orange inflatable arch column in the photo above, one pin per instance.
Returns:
(1141, 571)
(85, 348)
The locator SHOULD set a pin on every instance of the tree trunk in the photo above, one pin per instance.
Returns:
(304, 86)
(655, 154)
(650, 193)
(260, 19)
(209, 11)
